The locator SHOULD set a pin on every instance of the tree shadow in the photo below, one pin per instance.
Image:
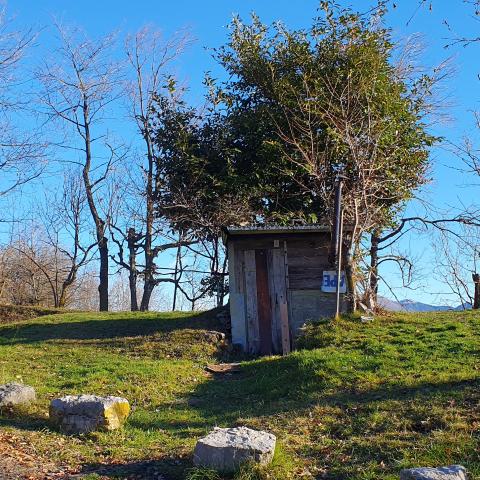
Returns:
(99, 328)
(168, 468)
(24, 421)
(290, 384)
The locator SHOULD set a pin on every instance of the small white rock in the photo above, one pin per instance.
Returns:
(16, 394)
(225, 449)
(453, 472)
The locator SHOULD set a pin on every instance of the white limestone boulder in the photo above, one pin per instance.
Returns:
(225, 449)
(77, 414)
(453, 472)
(12, 394)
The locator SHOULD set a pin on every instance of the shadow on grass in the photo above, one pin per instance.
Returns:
(290, 387)
(170, 468)
(105, 328)
(183, 429)
(24, 421)
(288, 384)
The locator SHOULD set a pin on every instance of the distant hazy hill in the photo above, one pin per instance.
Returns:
(412, 306)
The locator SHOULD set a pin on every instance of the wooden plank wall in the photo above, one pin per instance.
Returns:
(253, 334)
(307, 259)
(307, 256)
(236, 269)
(294, 285)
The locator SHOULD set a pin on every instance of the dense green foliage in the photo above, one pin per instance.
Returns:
(298, 107)
(360, 402)
(200, 189)
(336, 102)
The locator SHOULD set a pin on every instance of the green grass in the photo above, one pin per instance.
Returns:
(358, 402)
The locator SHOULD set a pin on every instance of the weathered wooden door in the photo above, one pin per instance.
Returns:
(263, 302)
(266, 309)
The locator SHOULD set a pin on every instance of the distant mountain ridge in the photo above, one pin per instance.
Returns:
(407, 305)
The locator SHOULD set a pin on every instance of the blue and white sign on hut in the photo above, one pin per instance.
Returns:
(329, 282)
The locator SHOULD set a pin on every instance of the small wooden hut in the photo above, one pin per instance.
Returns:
(279, 278)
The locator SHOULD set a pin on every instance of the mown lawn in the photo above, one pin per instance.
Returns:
(360, 401)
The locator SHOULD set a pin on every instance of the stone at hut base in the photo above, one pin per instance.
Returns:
(224, 449)
(12, 394)
(453, 472)
(77, 414)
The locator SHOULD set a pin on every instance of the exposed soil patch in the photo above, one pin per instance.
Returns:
(223, 368)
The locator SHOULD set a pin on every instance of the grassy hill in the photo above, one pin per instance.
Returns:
(359, 401)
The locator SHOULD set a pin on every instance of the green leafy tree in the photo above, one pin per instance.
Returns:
(197, 189)
(331, 100)
(298, 108)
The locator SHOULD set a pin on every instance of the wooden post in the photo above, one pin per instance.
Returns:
(286, 346)
(280, 294)
(263, 302)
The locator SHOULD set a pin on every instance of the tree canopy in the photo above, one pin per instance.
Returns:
(320, 101)
(298, 108)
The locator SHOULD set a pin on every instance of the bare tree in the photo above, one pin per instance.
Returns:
(54, 243)
(381, 248)
(149, 58)
(22, 153)
(190, 284)
(66, 233)
(22, 279)
(457, 264)
(214, 281)
(120, 293)
(83, 296)
(78, 87)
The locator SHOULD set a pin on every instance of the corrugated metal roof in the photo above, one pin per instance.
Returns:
(259, 229)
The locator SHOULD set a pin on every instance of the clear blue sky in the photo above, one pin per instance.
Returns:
(208, 19)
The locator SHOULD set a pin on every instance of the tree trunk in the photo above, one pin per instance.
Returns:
(373, 282)
(132, 275)
(103, 284)
(148, 287)
(476, 297)
(102, 241)
(62, 300)
(149, 280)
(350, 279)
(132, 280)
